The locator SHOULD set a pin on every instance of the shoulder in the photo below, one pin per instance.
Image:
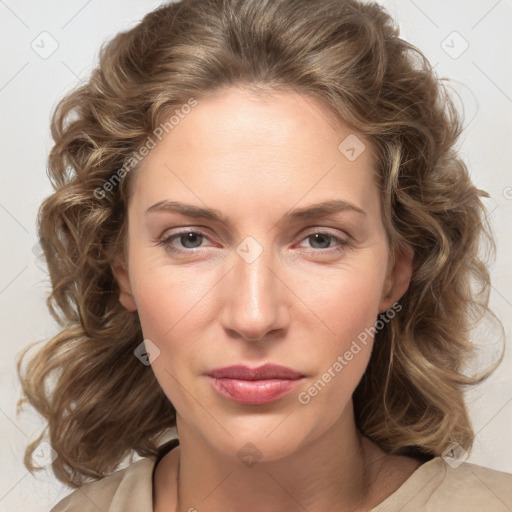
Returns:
(438, 486)
(476, 487)
(125, 490)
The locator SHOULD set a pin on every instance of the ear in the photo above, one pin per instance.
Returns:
(397, 279)
(120, 271)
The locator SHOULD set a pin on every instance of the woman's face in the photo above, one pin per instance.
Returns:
(254, 284)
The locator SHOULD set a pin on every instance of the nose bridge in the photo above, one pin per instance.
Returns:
(255, 297)
(255, 279)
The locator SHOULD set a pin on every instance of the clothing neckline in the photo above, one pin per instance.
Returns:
(163, 450)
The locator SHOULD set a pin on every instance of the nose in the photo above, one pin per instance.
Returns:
(255, 299)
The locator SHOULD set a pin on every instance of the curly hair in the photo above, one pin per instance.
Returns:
(103, 404)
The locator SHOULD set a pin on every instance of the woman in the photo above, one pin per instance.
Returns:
(261, 234)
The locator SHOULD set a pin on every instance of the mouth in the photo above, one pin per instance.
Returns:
(254, 386)
(266, 371)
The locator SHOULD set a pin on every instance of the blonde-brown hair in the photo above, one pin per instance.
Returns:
(104, 404)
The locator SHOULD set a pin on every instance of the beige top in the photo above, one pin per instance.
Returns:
(433, 487)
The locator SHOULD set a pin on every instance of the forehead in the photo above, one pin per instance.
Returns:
(239, 143)
(245, 120)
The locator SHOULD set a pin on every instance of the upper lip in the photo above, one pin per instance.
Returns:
(266, 371)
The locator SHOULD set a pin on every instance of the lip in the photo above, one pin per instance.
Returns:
(266, 371)
(254, 386)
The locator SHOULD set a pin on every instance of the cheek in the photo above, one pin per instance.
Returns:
(170, 299)
(349, 309)
(174, 307)
(168, 318)
(342, 356)
(356, 308)
(349, 301)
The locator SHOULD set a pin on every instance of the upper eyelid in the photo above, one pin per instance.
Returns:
(184, 232)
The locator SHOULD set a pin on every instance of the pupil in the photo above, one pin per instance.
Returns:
(319, 235)
(189, 237)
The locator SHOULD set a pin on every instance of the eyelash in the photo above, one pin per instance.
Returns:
(166, 242)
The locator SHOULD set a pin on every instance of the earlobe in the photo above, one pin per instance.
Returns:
(122, 277)
(398, 278)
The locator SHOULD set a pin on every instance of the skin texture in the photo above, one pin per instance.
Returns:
(300, 303)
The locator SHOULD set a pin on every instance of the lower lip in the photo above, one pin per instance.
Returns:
(254, 392)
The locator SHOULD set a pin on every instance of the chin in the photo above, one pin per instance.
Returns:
(255, 442)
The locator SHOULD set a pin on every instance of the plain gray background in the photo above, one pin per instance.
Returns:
(48, 47)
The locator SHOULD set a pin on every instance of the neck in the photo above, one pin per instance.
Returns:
(334, 470)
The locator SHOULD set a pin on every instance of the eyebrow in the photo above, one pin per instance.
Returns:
(309, 212)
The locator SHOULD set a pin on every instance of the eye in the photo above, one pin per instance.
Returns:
(188, 239)
(321, 241)
(325, 240)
